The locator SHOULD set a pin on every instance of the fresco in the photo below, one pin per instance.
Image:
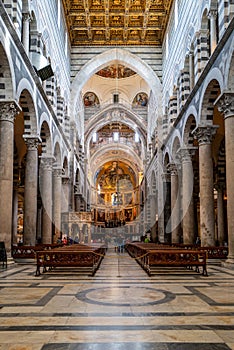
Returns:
(91, 100)
(140, 100)
(116, 71)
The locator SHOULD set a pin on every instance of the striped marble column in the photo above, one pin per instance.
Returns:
(201, 52)
(172, 110)
(223, 6)
(184, 87)
(60, 110)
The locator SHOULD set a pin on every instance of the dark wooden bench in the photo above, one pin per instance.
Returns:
(175, 258)
(151, 255)
(3, 254)
(213, 252)
(86, 258)
(29, 251)
(216, 252)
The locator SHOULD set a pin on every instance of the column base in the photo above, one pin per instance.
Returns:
(10, 260)
(229, 263)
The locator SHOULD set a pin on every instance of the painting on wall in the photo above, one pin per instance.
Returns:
(140, 100)
(116, 71)
(91, 99)
(100, 215)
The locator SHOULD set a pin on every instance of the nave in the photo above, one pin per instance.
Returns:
(118, 308)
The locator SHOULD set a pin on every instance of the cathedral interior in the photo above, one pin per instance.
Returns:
(116, 133)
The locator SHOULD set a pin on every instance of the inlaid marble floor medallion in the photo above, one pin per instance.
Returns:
(125, 296)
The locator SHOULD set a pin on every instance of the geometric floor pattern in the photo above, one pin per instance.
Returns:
(120, 308)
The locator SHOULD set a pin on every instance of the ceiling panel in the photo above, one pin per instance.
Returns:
(117, 22)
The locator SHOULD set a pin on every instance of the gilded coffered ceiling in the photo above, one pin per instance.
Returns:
(117, 22)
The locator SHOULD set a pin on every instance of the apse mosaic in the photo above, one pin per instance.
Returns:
(116, 71)
(115, 175)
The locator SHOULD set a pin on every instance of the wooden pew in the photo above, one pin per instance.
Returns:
(151, 255)
(175, 258)
(86, 258)
(29, 251)
(3, 254)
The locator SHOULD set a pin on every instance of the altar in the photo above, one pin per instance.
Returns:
(77, 226)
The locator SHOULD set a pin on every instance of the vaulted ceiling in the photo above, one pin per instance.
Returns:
(117, 22)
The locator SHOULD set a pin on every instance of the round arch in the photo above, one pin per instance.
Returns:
(100, 61)
(108, 115)
(29, 107)
(189, 126)
(57, 155)
(176, 144)
(45, 134)
(210, 93)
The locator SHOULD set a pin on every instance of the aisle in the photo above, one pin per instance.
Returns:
(119, 265)
(119, 308)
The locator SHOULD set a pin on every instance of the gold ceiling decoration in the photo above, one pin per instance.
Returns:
(117, 22)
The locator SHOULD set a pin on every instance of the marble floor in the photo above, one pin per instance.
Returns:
(118, 308)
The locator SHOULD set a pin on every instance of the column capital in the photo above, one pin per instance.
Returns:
(65, 179)
(200, 32)
(185, 153)
(32, 142)
(205, 133)
(47, 162)
(27, 17)
(58, 172)
(219, 186)
(173, 168)
(212, 14)
(8, 110)
(225, 104)
(76, 189)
